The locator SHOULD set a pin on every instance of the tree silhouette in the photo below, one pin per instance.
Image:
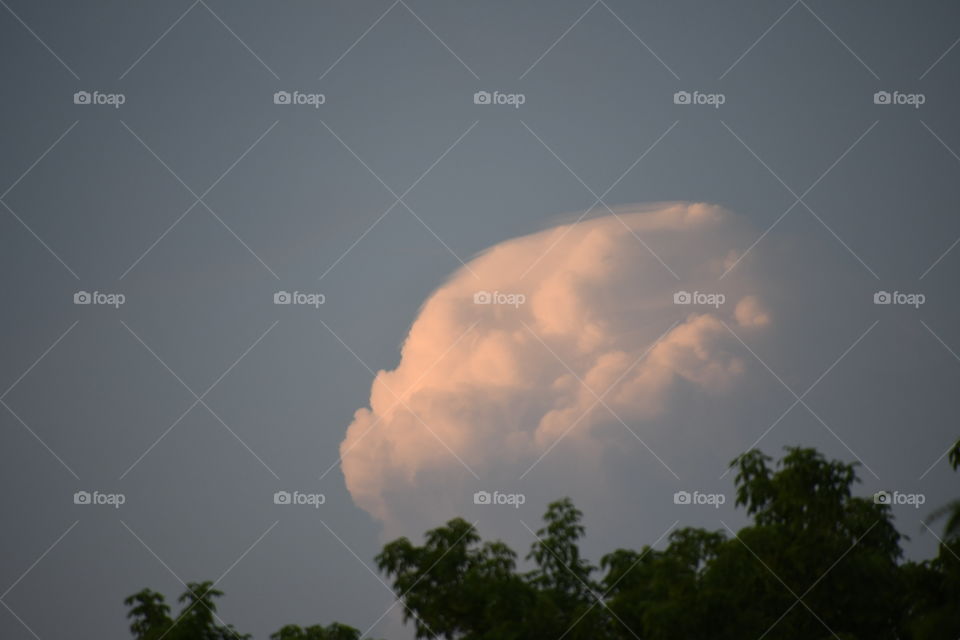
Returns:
(150, 616)
(815, 562)
(801, 568)
(335, 631)
(933, 586)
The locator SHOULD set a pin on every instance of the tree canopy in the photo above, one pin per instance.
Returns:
(815, 562)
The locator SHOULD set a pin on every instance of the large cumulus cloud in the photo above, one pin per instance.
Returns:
(597, 349)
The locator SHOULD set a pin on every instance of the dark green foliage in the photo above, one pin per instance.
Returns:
(816, 563)
(932, 587)
(149, 615)
(335, 631)
(453, 586)
(197, 619)
(811, 541)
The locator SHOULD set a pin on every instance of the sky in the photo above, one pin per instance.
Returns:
(173, 173)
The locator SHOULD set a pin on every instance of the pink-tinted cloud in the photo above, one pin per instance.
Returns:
(511, 355)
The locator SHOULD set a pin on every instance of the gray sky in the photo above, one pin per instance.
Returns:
(199, 198)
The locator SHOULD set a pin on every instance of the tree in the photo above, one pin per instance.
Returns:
(569, 597)
(454, 587)
(198, 619)
(932, 587)
(335, 631)
(802, 567)
(149, 614)
(815, 562)
(660, 594)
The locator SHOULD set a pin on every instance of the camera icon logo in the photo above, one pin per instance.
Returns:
(882, 297)
(681, 497)
(681, 97)
(881, 497)
(81, 97)
(481, 497)
(682, 297)
(881, 97)
(81, 497)
(482, 297)
(482, 97)
(281, 97)
(82, 297)
(282, 297)
(281, 497)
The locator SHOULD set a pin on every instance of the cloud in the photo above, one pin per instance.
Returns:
(542, 342)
